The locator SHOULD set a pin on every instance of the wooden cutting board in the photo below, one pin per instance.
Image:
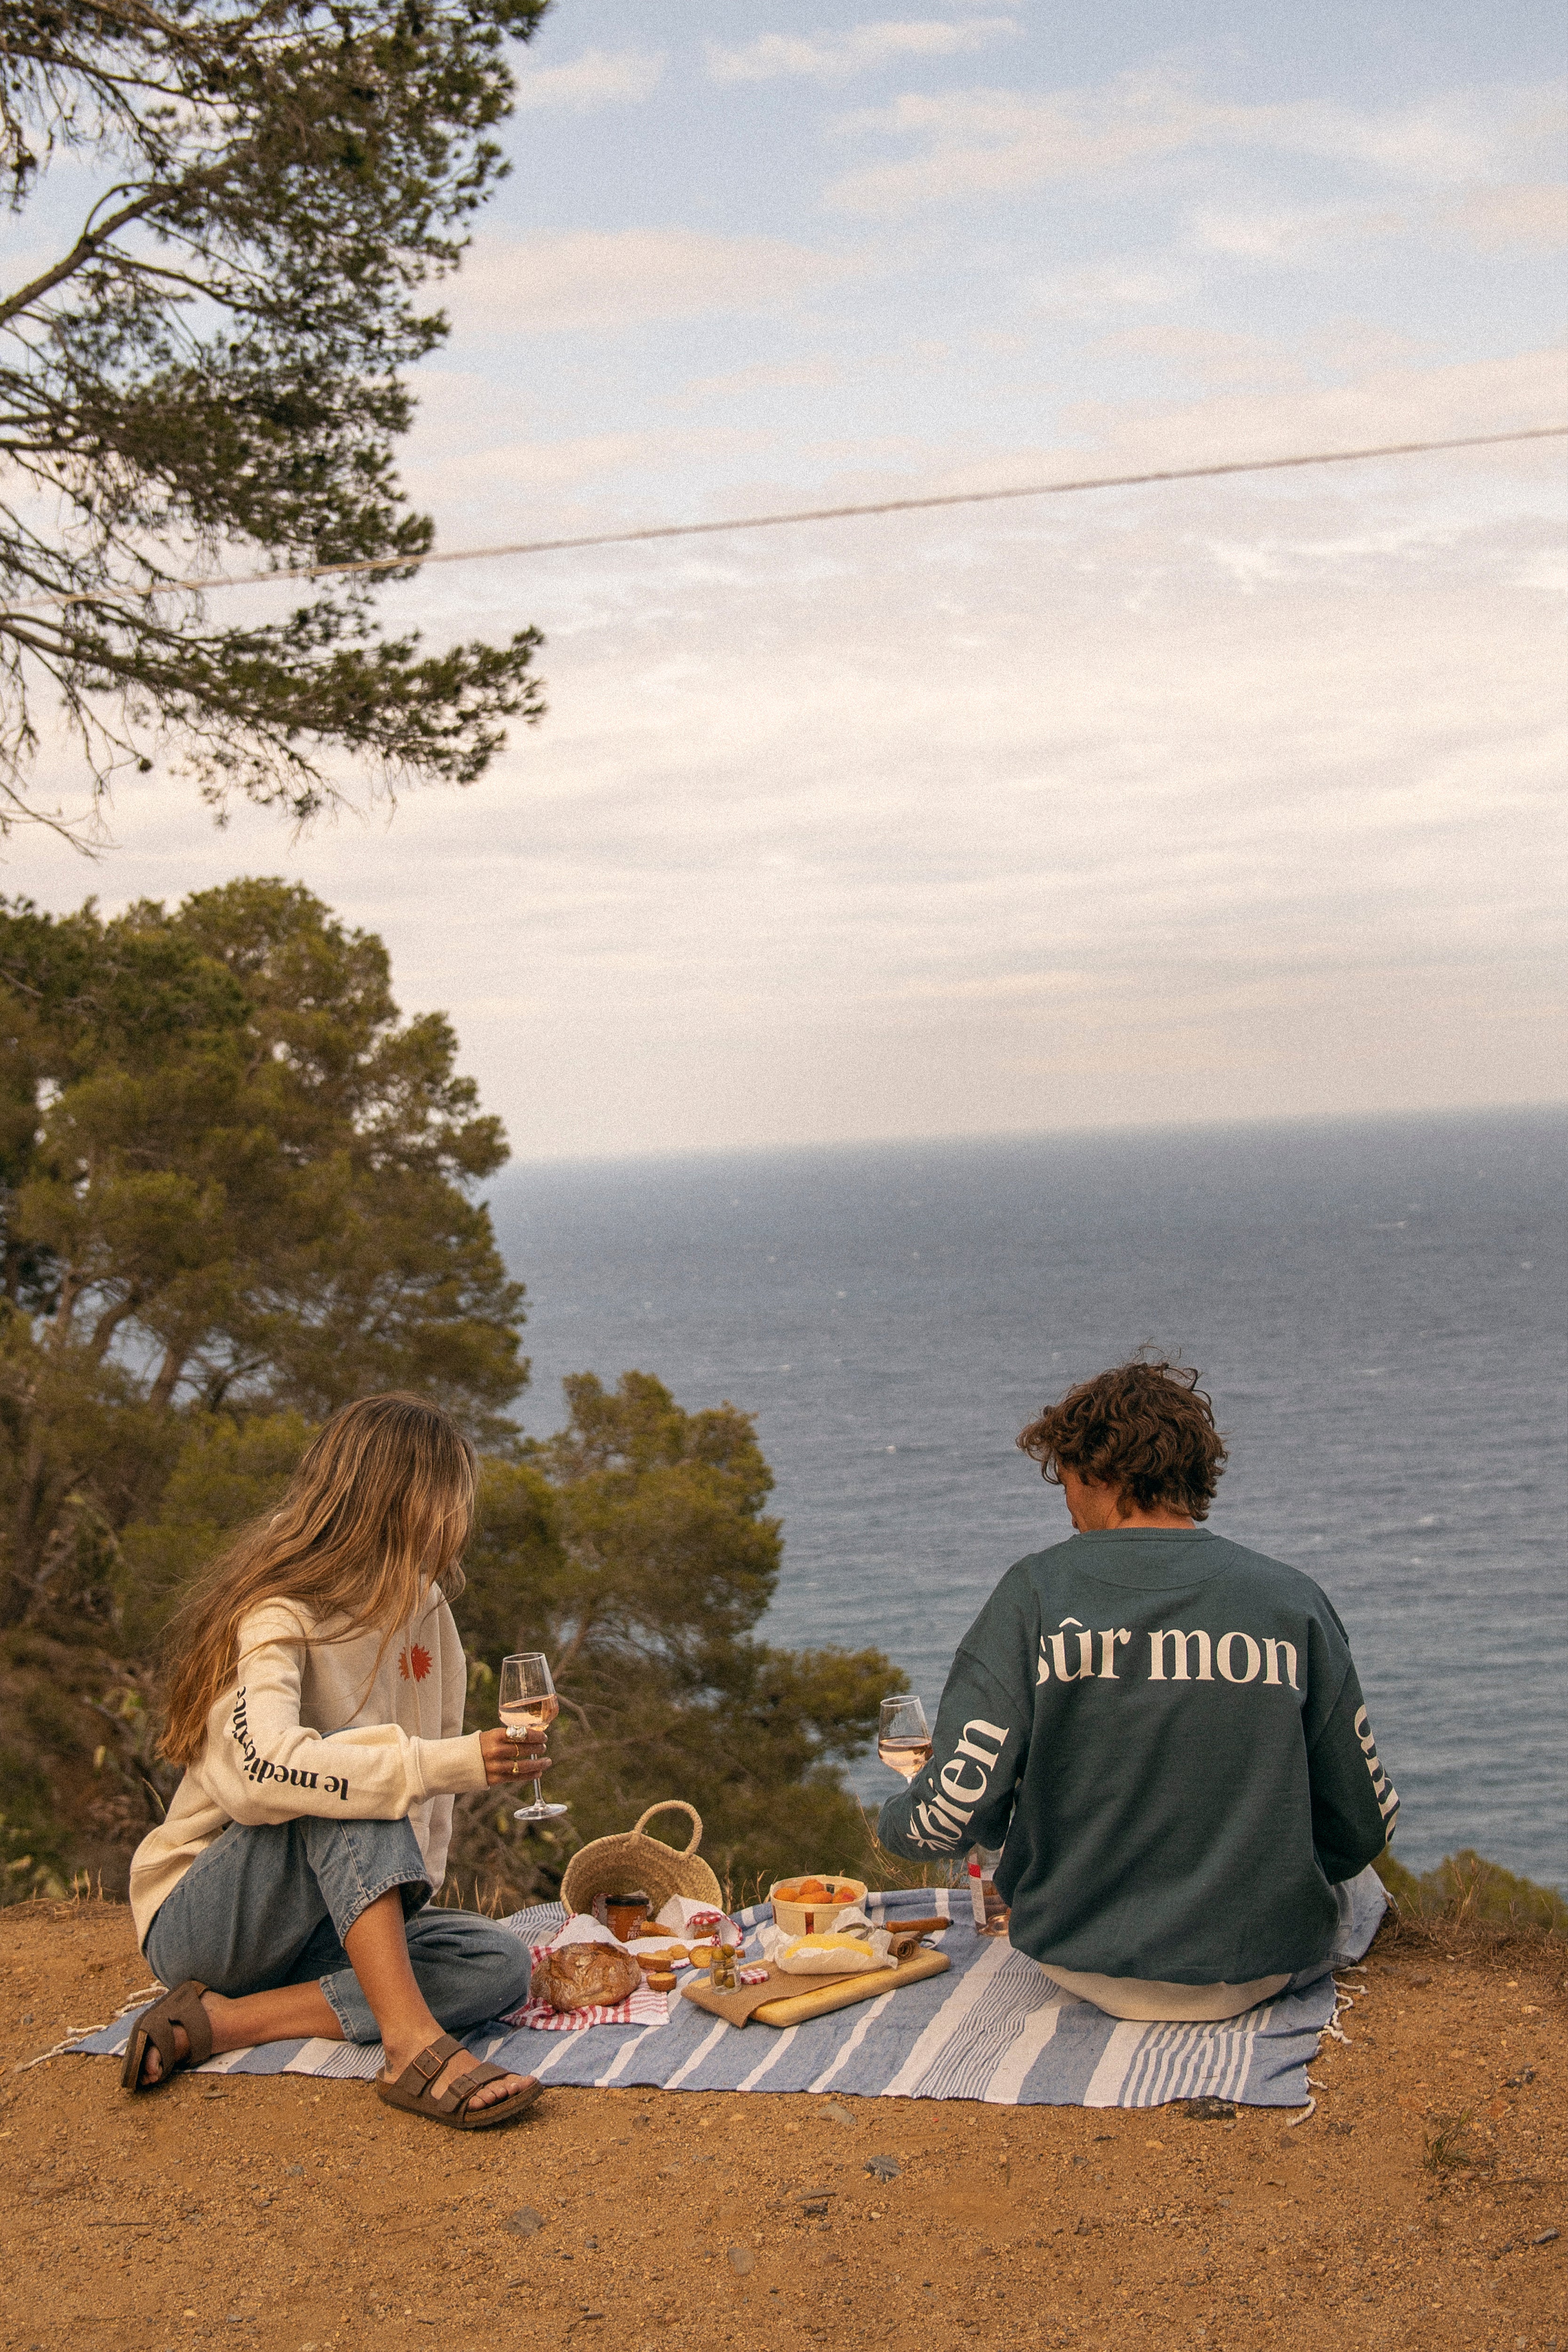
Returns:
(797, 2007)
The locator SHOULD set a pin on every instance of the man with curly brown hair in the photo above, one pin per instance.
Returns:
(1163, 1731)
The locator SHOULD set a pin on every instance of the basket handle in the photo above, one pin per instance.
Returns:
(675, 1805)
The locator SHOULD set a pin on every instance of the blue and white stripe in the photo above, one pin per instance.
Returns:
(994, 2028)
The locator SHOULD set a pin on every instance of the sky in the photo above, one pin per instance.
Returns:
(1213, 801)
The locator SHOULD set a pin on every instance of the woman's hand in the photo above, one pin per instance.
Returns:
(506, 1758)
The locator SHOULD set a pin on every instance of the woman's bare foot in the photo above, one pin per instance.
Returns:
(452, 2073)
(153, 2065)
(487, 2093)
(299, 2012)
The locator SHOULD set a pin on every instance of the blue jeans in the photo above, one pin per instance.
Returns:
(271, 1906)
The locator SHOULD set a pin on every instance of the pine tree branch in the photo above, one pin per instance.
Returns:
(88, 245)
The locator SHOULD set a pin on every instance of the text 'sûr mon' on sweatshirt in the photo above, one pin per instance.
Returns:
(1164, 1734)
(366, 1728)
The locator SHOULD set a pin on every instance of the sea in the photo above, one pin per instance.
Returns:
(1377, 1307)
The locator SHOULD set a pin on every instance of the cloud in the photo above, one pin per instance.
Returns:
(593, 278)
(1383, 402)
(481, 477)
(1355, 346)
(598, 78)
(1494, 218)
(1225, 362)
(1500, 216)
(984, 142)
(1230, 799)
(998, 143)
(834, 56)
(821, 375)
(1132, 283)
(1290, 232)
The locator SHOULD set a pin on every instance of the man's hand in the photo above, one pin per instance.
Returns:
(510, 1758)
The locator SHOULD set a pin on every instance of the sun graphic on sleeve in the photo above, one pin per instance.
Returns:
(419, 1662)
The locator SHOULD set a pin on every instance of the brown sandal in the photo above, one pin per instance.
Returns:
(412, 2094)
(156, 2025)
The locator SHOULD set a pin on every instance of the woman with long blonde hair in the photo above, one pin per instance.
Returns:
(315, 1699)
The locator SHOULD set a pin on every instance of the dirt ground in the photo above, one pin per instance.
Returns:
(308, 2218)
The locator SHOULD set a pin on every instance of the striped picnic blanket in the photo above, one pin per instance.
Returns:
(994, 2027)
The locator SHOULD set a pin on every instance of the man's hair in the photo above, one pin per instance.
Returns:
(1146, 1428)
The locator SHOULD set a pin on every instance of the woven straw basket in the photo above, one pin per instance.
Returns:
(615, 1865)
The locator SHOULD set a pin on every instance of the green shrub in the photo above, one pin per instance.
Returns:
(1466, 1890)
(33, 1843)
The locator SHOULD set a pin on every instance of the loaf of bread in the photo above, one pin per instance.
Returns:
(580, 1976)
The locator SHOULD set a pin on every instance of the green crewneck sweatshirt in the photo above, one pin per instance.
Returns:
(1164, 1734)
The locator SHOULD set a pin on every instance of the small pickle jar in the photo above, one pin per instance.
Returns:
(723, 1967)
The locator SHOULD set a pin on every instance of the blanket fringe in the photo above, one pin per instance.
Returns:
(75, 2033)
(1307, 2112)
(137, 2000)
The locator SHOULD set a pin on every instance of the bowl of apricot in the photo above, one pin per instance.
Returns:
(802, 1907)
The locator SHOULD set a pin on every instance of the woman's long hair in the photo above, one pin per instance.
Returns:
(380, 1509)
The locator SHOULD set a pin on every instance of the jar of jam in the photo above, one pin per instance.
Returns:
(626, 1916)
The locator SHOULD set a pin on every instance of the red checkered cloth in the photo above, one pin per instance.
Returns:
(643, 2006)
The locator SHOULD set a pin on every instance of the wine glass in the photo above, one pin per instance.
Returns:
(527, 1703)
(903, 1735)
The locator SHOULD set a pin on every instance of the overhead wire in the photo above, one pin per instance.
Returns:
(795, 515)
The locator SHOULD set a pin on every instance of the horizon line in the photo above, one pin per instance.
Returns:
(1127, 1129)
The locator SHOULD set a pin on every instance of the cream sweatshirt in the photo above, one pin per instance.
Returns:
(310, 1725)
